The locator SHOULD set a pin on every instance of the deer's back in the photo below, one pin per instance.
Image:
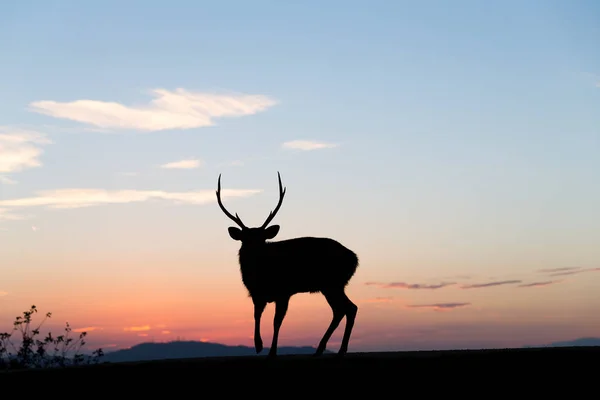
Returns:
(307, 264)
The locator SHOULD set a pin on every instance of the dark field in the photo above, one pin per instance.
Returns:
(538, 369)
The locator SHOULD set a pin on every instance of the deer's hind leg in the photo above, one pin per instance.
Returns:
(337, 300)
(351, 310)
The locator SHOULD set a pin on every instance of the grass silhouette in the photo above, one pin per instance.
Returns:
(52, 351)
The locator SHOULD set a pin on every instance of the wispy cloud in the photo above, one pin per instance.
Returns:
(562, 269)
(87, 329)
(576, 271)
(165, 332)
(380, 300)
(489, 284)
(19, 150)
(7, 215)
(179, 109)
(307, 145)
(439, 306)
(403, 285)
(566, 271)
(183, 164)
(141, 328)
(2, 293)
(6, 180)
(77, 198)
(538, 284)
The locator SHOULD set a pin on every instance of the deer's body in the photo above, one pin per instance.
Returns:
(275, 271)
(301, 265)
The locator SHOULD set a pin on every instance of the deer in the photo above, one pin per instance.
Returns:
(274, 271)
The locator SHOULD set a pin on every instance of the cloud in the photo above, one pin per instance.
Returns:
(562, 269)
(137, 328)
(2, 293)
(6, 215)
(402, 285)
(380, 300)
(575, 271)
(538, 284)
(19, 150)
(183, 164)
(307, 145)
(566, 271)
(87, 329)
(440, 306)
(483, 285)
(165, 332)
(6, 180)
(78, 198)
(179, 109)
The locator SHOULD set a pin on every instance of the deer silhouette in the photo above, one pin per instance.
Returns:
(275, 271)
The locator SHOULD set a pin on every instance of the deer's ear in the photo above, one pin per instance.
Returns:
(271, 231)
(235, 233)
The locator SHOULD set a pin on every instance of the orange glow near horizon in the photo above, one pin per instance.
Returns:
(390, 318)
(128, 298)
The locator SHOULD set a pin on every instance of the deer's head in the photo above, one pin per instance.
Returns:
(250, 236)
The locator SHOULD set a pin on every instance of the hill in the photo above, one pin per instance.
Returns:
(581, 342)
(532, 371)
(192, 349)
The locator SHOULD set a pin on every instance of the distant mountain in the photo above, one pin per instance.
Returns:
(573, 343)
(191, 349)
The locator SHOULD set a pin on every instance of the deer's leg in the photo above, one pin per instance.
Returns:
(350, 310)
(259, 307)
(335, 299)
(281, 307)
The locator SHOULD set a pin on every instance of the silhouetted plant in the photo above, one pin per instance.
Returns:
(59, 351)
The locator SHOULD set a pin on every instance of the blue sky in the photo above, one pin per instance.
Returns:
(443, 138)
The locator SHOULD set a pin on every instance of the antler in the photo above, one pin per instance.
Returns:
(274, 212)
(235, 219)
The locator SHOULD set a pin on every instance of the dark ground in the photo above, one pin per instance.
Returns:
(472, 373)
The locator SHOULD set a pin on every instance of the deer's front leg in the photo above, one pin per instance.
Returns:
(259, 307)
(281, 307)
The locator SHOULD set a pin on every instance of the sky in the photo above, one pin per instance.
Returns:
(453, 146)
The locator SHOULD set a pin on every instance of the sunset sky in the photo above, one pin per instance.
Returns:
(454, 146)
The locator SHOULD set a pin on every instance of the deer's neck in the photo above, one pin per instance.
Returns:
(253, 266)
(252, 254)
